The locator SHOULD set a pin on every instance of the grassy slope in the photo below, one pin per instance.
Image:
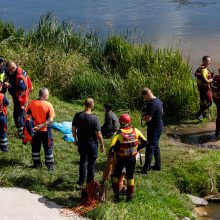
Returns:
(157, 196)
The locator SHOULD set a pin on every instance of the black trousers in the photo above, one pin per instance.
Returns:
(88, 154)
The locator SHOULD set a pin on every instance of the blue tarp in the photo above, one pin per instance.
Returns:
(66, 128)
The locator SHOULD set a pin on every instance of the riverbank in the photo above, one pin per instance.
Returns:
(158, 195)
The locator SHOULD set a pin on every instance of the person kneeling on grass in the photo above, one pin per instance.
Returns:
(110, 125)
(125, 143)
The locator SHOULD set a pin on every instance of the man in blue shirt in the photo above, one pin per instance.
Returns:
(153, 116)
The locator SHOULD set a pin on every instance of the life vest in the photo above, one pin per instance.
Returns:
(215, 85)
(23, 96)
(3, 109)
(129, 145)
(200, 79)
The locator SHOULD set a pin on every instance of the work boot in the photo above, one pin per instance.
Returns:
(37, 164)
(155, 168)
(79, 183)
(128, 199)
(116, 198)
(50, 167)
(198, 116)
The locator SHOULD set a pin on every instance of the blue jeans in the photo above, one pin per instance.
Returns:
(153, 149)
(88, 153)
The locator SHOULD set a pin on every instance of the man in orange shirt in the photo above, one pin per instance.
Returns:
(42, 113)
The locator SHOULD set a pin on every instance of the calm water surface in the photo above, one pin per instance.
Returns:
(191, 25)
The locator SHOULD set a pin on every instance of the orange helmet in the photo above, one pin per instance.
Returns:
(125, 119)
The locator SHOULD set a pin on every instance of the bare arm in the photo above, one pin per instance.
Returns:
(101, 141)
(74, 135)
(47, 122)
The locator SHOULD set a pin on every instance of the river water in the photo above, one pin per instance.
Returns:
(191, 25)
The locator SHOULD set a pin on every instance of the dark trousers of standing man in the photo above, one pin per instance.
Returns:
(153, 137)
(44, 137)
(205, 99)
(18, 116)
(88, 154)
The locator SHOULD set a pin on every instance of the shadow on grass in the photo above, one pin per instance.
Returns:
(67, 201)
(26, 182)
(60, 202)
(61, 184)
(7, 162)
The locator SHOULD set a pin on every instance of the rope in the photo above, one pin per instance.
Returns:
(96, 194)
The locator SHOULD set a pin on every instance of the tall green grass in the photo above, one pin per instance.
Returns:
(76, 64)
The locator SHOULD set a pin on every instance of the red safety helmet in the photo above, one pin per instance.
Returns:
(125, 119)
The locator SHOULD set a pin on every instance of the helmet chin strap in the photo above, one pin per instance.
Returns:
(124, 125)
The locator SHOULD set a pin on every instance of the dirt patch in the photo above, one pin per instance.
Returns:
(201, 135)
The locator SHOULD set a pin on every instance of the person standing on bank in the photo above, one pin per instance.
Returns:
(110, 125)
(42, 113)
(153, 116)
(19, 87)
(87, 133)
(204, 79)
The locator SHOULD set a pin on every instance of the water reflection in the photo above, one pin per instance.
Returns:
(191, 26)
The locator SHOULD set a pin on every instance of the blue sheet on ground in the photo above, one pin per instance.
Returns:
(66, 128)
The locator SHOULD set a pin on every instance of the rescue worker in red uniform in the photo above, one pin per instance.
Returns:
(204, 79)
(3, 121)
(19, 87)
(125, 143)
(216, 97)
(42, 113)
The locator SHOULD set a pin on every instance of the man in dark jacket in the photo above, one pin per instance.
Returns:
(153, 116)
(110, 125)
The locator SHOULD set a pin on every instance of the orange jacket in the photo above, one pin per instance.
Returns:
(2, 106)
(23, 96)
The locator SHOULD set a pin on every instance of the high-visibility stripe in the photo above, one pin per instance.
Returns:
(35, 153)
(49, 156)
(4, 144)
(130, 182)
(36, 158)
(51, 160)
(3, 139)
